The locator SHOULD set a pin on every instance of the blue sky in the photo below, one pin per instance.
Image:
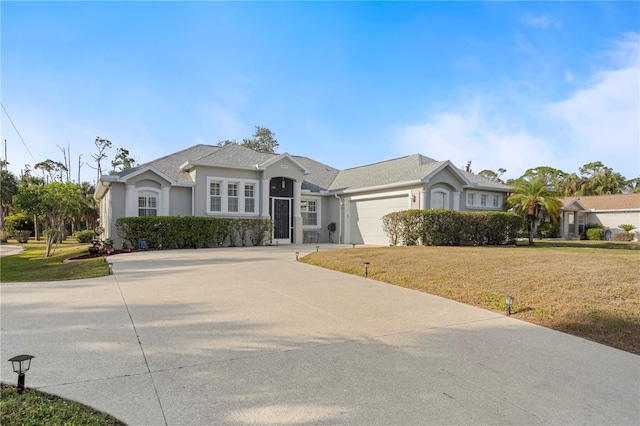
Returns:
(510, 85)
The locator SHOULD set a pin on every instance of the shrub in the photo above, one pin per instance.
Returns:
(627, 228)
(587, 227)
(624, 236)
(192, 231)
(85, 236)
(448, 227)
(22, 236)
(595, 234)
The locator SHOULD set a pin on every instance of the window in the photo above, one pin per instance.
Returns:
(437, 200)
(484, 200)
(236, 197)
(232, 192)
(471, 198)
(309, 211)
(147, 204)
(215, 197)
(249, 198)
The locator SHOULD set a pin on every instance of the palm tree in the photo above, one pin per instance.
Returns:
(535, 202)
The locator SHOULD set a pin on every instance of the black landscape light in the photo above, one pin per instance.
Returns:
(366, 269)
(297, 255)
(354, 245)
(509, 301)
(317, 248)
(21, 364)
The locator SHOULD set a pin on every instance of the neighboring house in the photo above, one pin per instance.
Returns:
(300, 195)
(610, 211)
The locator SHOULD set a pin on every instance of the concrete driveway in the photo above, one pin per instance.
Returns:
(250, 336)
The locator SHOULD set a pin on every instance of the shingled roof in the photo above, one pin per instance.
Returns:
(321, 177)
(605, 202)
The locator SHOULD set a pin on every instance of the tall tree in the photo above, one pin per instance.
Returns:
(551, 177)
(535, 202)
(601, 180)
(262, 140)
(103, 145)
(53, 203)
(8, 188)
(492, 175)
(122, 161)
(52, 170)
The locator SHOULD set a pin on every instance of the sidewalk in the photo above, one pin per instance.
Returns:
(250, 336)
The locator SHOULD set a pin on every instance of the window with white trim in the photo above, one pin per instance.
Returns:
(309, 209)
(471, 198)
(215, 196)
(249, 198)
(484, 200)
(147, 203)
(232, 194)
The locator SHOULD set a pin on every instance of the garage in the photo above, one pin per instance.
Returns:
(365, 218)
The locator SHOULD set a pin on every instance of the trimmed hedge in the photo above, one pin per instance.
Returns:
(595, 234)
(193, 232)
(448, 227)
(85, 236)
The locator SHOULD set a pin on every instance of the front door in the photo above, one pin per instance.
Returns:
(281, 216)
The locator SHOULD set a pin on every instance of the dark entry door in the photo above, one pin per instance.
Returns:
(281, 219)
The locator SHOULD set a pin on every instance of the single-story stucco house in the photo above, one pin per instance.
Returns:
(610, 211)
(302, 196)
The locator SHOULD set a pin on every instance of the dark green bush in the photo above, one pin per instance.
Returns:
(85, 236)
(548, 230)
(192, 232)
(595, 234)
(448, 227)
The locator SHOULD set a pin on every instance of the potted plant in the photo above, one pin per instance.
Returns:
(125, 247)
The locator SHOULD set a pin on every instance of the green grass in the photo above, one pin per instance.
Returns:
(589, 289)
(38, 408)
(32, 266)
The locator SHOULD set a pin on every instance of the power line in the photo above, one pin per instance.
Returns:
(16, 129)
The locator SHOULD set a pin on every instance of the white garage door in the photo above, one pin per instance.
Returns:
(365, 218)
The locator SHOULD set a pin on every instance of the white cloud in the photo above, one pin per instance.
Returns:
(489, 142)
(602, 120)
(599, 121)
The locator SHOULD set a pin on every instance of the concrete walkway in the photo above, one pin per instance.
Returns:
(250, 336)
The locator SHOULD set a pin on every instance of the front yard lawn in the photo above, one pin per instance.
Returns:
(39, 408)
(581, 290)
(30, 265)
